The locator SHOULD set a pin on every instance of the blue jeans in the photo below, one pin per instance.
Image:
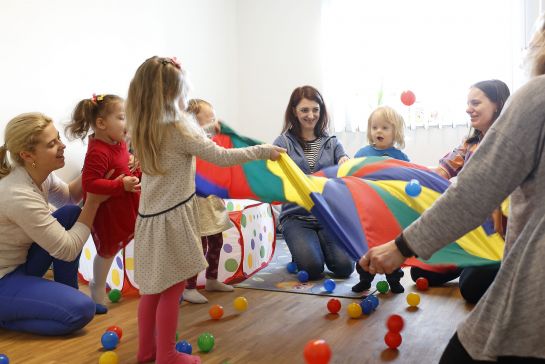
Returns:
(311, 246)
(30, 303)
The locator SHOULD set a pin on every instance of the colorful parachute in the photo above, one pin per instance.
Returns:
(363, 202)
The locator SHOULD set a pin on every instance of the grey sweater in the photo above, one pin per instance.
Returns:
(510, 318)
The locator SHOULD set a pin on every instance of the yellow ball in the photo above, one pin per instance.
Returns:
(354, 310)
(413, 299)
(240, 304)
(109, 357)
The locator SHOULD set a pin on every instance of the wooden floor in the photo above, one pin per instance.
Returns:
(275, 329)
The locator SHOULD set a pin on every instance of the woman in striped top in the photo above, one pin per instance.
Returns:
(305, 137)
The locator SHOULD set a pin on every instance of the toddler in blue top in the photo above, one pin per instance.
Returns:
(385, 131)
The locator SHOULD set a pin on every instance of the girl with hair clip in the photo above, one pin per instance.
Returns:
(113, 227)
(213, 218)
(506, 325)
(485, 101)
(32, 237)
(168, 248)
(385, 131)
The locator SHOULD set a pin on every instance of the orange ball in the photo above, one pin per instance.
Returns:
(317, 352)
(216, 312)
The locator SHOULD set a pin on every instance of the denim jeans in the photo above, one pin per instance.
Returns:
(311, 246)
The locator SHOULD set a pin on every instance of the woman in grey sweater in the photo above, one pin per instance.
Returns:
(507, 323)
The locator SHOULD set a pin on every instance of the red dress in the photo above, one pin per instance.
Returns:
(114, 222)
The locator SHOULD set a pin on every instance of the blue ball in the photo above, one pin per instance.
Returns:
(366, 306)
(184, 347)
(292, 267)
(109, 340)
(374, 300)
(302, 276)
(329, 285)
(413, 188)
(4, 359)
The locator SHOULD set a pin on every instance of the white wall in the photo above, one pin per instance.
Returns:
(55, 53)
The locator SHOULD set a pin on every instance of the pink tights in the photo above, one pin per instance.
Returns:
(157, 322)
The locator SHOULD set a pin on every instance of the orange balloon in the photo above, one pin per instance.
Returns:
(216, 312)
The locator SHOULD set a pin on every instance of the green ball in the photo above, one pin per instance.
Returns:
(114, 295)
(383, 287)
(205, 342)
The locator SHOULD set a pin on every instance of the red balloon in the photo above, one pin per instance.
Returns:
(422, 284)
(117, 330)
(317, 352)
(395, 323)
(408, 98)
(392, 339)
(334, 305)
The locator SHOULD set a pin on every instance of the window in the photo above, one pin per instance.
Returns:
(374, 50)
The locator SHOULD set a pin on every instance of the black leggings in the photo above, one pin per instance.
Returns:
(455, 353)
(474, 281)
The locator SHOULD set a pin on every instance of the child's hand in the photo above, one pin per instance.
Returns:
(343, 159)
(134, 163)
(131, 184)
(275, 153)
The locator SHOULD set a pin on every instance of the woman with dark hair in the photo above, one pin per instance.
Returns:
(485, 101)
(506, 325)
(306, 139)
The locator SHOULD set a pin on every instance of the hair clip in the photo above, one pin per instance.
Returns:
(97, 98)
(173, 61)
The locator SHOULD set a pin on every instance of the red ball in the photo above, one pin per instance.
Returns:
(117, 330)
(317, 352)
(392, 339)
(334, 305)
(216, 312)
(395, 323)
(422, 284)
(408, 98)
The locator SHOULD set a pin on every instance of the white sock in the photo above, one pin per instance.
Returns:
(194, 296)
(215, 285)
(101, 267)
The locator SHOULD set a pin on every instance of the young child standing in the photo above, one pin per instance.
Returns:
(113, 227)
(213, 218)
(385, 130)
(168, 247)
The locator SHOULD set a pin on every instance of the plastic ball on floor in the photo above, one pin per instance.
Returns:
(109, 357)
(366, 306)
(117, 330)
(302, 276)
(354, 310)
(392, 339)
(334, 305)
(422, 284)
(240, 304)
(292, 267)
(383, 287)
(329, 285)
(374, 300)
(317, 352)
(4, 359)
(184, 347)
(395, 323)
(114, 295)
(109, 340)
(205, 342)
(413, 188)
(413, 299)
(216, 312)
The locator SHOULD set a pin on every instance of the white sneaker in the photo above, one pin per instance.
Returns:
(215, 285)
(193, 296)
